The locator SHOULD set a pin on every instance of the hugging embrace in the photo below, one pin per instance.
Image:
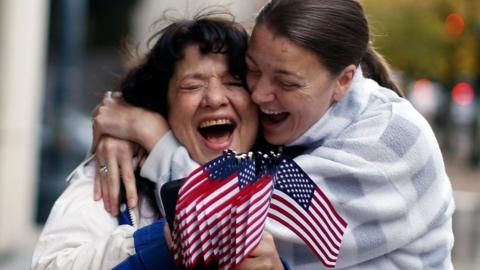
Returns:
(308, 81)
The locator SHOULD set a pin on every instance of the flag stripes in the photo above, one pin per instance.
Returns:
(222, 208)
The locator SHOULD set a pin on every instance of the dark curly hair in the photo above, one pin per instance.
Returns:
(146, 85)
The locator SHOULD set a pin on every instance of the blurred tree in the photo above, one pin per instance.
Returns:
(438, 39)
(417, 39)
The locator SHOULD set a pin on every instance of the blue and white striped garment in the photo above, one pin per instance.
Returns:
(378, 161)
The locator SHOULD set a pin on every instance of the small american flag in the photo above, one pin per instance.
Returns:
(300, 205)
(222, 208)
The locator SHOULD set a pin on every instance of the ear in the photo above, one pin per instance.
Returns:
(343, 82)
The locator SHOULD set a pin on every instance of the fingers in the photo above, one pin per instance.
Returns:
(128, 178)
(113, 185)
(117, 156)
(142, 156)
(93, 147)
(112, 94)
(104, 115)
(104, 159)
(117, 94)
(116, 118)
(264, 246)
(107, 95)
(97, 193)
(96, 138)
(101, 176)
(264, 256)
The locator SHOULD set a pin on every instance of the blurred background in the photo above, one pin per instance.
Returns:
(58, 57)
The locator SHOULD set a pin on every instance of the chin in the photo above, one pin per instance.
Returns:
(274, 139)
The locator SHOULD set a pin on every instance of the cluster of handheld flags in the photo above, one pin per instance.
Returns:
(222, 208)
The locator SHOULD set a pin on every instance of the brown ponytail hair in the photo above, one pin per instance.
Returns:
(336, 30)
(375, 67)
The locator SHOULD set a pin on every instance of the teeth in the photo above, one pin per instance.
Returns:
(266, 111)
(215, 123)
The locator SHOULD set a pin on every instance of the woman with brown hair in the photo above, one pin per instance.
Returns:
(327, 98)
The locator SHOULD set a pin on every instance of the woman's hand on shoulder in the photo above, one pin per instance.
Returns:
(264, 256)
(121, 131)
(114, 162)
(116, 118)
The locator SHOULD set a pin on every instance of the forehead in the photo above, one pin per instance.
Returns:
(276, 51)
(194, 62)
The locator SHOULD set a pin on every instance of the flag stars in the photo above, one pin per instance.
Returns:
(292, 184)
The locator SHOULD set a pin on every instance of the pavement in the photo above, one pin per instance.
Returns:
(465, 181)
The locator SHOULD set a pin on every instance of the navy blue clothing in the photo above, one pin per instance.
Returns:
(150, 247)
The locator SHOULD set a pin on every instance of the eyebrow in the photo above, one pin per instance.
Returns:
(277, 71)
(200, 76)
(286, 72)
(194, 75)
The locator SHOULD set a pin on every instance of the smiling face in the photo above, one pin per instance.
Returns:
(290, 85)
(209, 109)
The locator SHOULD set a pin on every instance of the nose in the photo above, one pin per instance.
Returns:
(215, 95)
(262, 91)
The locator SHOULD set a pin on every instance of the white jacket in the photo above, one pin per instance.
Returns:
(80, 234)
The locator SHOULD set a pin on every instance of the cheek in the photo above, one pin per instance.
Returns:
(242, 101)
(181, 113)
(313, 109)
(250, 106)
(254, 86)
(247, 110)
(252, 118)
(184, 106)
(178, 128)
(180, 122)
(173, 115)
(251, 81)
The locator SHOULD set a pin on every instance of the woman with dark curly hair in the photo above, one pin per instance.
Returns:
(194, 76)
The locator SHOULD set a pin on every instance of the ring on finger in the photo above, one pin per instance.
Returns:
(103, 169)
(108, 94)
(116, 94)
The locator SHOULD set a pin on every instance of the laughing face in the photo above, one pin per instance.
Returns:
(290, 85)
(209, 109)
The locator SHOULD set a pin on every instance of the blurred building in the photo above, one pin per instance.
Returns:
(23, 25)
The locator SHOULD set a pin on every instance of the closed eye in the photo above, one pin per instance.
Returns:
(191, 87)
(251, 69)
(289, 85)
(233, 84)
(254, 72)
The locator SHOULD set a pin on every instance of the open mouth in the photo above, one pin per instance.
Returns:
(273, 117)
(217, 133)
